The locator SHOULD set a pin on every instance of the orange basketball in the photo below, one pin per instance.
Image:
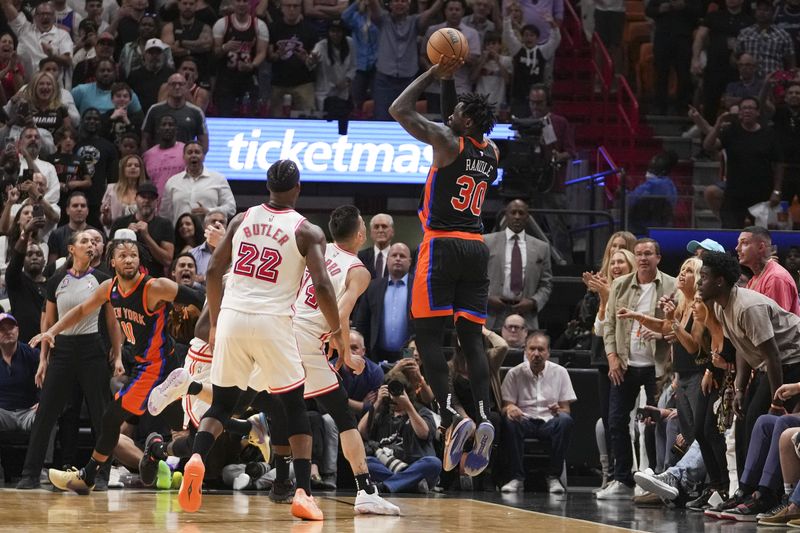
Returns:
(447, 42)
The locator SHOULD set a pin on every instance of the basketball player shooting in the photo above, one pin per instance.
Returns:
(451, 278)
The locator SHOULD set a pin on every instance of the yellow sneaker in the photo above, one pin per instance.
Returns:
(69, 480)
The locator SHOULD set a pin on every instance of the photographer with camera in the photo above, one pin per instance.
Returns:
(399, 434)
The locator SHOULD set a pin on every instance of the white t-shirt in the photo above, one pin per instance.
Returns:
(492, 82)
(535, 394)
(641, 354)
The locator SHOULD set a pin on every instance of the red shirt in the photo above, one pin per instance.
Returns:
(8, 79)
(776, 282)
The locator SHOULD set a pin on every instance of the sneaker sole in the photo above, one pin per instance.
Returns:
(378, 508)
(306, 509)
(455, 443)
(166, 394)
(190, 495)
(739, 517)
(662, 490)
(478, 459)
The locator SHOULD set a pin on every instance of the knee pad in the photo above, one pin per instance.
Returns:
(296, 416)
(223, 403)
(335, 402)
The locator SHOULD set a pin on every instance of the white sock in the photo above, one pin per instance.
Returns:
(788, 488)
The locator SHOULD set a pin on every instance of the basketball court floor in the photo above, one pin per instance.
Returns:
(123, 511)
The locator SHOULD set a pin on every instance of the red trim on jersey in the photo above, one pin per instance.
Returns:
(484, 144)
(136, 286)
(320, 392)
(460, 144)
(195, 355)
(357, 265)
(343, 250)
(468, 316)
(298, 224)
(278, 211)
(288, 387)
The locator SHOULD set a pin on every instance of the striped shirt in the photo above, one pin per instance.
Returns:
(769, 46)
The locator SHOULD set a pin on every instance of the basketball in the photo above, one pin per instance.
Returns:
(447, 42)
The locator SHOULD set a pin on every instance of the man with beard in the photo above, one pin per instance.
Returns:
(164, 159)
(154, 233)
(99, 158)
(189, 36)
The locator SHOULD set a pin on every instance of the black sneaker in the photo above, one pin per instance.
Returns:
(701, 502)
(748, 510)
(282, 491)
(255, 470)
(29, 483)
(148, 464)
(731, 503)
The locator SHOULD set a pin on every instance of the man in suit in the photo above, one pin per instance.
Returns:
(519, 271)
(376, 257)
(383, 315)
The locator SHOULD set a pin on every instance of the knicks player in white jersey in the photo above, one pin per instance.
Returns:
(270, 246)
(350, 279)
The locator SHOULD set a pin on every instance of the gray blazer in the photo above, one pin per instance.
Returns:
(537, 277)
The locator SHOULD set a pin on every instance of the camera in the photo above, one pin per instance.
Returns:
(526, 169)
(396, 388)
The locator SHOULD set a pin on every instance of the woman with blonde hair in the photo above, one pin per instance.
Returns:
(619, 240)
(43, 95)
(120, 197)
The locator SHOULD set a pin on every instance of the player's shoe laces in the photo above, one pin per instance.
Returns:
(259, 434)
(71, 479)
(478, 458)
(174, 387)
(190, 496)
(148, 464)
(367, 503)
(305, 507)
(456, 435)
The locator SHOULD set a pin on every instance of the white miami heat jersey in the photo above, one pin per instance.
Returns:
(267, 268)
(308, 316)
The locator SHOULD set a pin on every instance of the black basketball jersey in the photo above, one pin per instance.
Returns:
(247, 37)
(454, 194)
(146, 331)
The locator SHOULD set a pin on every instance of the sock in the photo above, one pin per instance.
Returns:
(182, 446)
(363, 482)
(302, 472)
(282, 468)
(238, 427)
(788, 488)
(195, 388)
(203, 442)
(746, 489)
(90, 471)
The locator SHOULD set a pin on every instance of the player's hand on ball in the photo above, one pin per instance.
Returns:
(447, 67)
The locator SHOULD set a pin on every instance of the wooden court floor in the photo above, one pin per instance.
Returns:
(145, 512)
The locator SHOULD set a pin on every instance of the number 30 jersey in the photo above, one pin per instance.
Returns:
(267, 267)
(338, 263)
(454, 194)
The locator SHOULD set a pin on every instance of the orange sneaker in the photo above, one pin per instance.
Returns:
(305, 507)
(190, 495)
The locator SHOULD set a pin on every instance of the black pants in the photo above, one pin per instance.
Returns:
(714, 83)
(686, 401)
(621, 401)
(711, 441)
(75, 358)
(734, 211)
(669, 54)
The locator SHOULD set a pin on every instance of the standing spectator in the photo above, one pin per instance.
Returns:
(99, 158)
(398, 57)
(39, 39)
(381, 232)
(675, 21)
(771, 46)
(119, 199)
(197, 190)
(454, 18)
(365, 41)
(786, 122)
(292, 40)
(146, 80)
(65, 18)
(717, 36)
(537, 394)
(492, 71)
(383, 316)
(25, 281)
(85, 70)
(127, 22)
(77, 211)
(787, 18)
(333, 60)
(748, 83)
(12, 73)
(121, 120)
(240, 44)
(97, 94)
(519, 270)
(133, 53)
(28, 148)
(214, 224)
(609, 23)
(189, 68)
(189, 36)
(189, 119)
(753, 161)
(71, 172)
(19, 399)
(539, 13)
(529, 61)
(635, 356)
(754, 248)
(483, 17)
(153, 232)
(165, 159)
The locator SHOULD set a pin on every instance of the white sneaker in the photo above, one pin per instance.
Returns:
(174, 387)
(241, 482)
(554, 486)
(515, 485)
(616, 491)
(373, 504)
(259, 434)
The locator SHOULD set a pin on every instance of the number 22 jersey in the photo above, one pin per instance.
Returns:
(267, 266)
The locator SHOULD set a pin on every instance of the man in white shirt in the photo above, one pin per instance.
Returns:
(28, 147)
(375, 258)
(197, 190)
(536, 403)
(39, 39)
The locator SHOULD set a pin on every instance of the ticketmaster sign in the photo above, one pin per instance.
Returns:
(371, 152)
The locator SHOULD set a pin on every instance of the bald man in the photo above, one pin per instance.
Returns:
(189, 119)
(375, 258)
(383, 314)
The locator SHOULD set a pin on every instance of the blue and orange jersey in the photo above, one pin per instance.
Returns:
(146, 331)
(454, 194)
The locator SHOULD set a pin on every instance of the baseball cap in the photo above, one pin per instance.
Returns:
(147, 188)
(124, 234)
(154, 43)
(706, 244)
(105, 36)
(8, 316)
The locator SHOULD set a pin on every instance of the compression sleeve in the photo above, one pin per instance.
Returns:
(448, 99)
